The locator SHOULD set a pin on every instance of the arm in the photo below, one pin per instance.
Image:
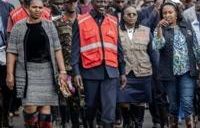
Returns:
(122, 64)
(9, 25)
(75, 55)
(58, 55)
(60, 60)
(11, 59)
(75, 50)
(121, 58)
(154, 56)
(158, 39)
(196, 49)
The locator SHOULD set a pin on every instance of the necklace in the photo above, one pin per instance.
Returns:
(130, 32)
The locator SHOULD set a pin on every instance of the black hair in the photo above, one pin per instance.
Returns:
(176, 7)
(122, 22)
(28, 2)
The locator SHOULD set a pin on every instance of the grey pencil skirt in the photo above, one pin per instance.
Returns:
(41, 88)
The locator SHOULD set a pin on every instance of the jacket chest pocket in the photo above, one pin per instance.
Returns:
(141, 40)
(89, 34)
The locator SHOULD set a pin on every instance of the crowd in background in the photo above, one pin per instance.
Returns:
(100, 63)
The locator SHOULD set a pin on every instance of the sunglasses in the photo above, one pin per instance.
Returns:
(129, 14)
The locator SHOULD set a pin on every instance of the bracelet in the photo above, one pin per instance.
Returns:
(63, 72)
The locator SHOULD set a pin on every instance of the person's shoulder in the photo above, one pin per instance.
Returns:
(46, 11)
(16, 11)
(144, 28)
(47, 21)
(112, 18)
(189, 14)
(80, 16)
(20, 24)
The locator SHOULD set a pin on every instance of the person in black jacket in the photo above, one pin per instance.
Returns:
(177, 66)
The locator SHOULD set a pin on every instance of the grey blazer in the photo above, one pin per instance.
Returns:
(16, 46)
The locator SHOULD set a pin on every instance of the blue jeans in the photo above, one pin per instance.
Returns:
(181, 90)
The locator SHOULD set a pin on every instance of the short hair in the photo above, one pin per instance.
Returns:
(28, 2)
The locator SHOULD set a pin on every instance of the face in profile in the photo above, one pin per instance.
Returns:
(130, 16)
(35, 9)
(169, 14)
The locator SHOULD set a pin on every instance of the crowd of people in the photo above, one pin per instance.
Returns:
(100, 63)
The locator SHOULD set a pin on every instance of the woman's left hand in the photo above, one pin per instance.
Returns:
(123, 81)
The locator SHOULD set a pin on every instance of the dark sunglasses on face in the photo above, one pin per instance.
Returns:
(129, 14)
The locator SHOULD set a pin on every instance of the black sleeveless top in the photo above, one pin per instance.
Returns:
(36, 44)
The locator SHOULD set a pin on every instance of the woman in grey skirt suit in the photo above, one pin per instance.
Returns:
(34, 58)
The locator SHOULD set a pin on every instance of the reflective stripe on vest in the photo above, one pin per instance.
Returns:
(94, 50)
(98, 45)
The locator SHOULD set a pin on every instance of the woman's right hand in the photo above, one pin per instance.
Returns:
(163, 23)
(10, 81)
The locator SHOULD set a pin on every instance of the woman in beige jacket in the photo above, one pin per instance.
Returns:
(136, 44)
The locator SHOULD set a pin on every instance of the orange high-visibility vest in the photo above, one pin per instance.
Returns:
(98, 43)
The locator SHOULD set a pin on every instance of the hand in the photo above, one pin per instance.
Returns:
(64, 88)
(163, 23)
(62, 78)
(79, 82)
(123, 81)
(10, 81)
